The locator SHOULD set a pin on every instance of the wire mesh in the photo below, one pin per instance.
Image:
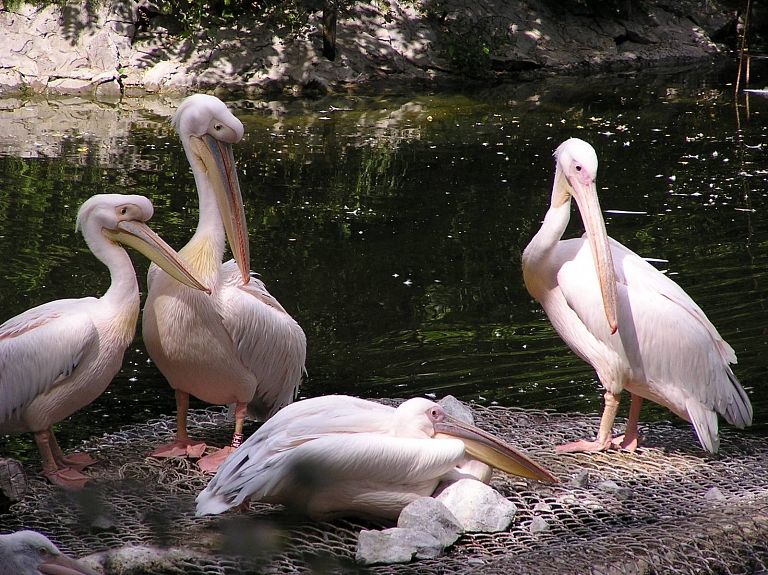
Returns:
(667, 507)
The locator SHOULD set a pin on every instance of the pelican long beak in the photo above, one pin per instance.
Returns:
(491, 450)
(139, 236)
(63, 565)
(585, 195)
(219, 162)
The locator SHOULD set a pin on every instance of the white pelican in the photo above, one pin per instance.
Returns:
(31, 553)
(238, 346)
(337, 455)
(60, 356)
(637, 328)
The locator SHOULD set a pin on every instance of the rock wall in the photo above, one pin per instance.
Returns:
(103, 52)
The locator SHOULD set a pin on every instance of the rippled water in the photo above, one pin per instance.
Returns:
(391, 227)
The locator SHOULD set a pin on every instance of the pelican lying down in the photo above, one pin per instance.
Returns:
(338, 455)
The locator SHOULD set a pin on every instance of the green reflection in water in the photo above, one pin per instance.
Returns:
(392, 228)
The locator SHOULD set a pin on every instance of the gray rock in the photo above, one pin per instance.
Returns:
(396, 545)
(431, 516)
(616, 489)
(102, 524)
(426, 546)
(581, 479)
(714, 494)
(424, 530)
(457, 409)
(396, 40)
(477, 506)
(539, 525)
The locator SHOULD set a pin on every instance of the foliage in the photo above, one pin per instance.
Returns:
(469, 44)
(196, 14)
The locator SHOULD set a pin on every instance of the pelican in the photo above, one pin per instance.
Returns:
(637, 328)
(58, 357)
(31, 553)
(238, 346)
(337, 455)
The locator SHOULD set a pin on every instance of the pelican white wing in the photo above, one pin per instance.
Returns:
(667, 341)
(335, 474)
(267, 340)
(34, 356)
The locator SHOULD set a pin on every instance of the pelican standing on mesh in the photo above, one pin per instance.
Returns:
(238, 346)
(60, 356)
(637, 328)
(337, 455)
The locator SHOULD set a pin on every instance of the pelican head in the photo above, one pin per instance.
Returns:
(427, 417)
(576, 176)
(207, 130)
(121, 219)
(31, 553)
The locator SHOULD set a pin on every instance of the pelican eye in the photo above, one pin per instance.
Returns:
(217, 127)
(128, 211)
(435, 414)
(578, 168)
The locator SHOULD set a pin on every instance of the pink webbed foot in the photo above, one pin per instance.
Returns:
(583, 446)
(181, 448)
(67, 478)
(77, 461)
(210, 463)
(627, 442)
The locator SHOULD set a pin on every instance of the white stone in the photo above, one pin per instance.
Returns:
(714, 494)
(477, 506)
(457, 409)
(539, 525)
(395, 545)
(429, 515)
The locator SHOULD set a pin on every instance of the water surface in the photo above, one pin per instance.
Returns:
(391, 227)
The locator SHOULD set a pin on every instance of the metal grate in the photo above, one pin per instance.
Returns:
(672, 508)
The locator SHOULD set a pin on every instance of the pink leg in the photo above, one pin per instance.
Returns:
(631, 438)
(183, 445)
(77, 461)
(62, 476)
(604, 434)
(210, 463)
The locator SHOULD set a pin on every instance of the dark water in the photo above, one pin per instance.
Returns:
(391, 227)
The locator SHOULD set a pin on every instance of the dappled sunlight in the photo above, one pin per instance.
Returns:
(534, 35)
(391, 226)
(115, 49)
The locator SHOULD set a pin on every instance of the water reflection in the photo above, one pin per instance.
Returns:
(391, 227)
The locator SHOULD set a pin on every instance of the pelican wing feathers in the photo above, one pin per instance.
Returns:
(666, 338)
(34, 357)
(267, 340)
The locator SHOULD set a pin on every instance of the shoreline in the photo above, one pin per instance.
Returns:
(114, 50)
